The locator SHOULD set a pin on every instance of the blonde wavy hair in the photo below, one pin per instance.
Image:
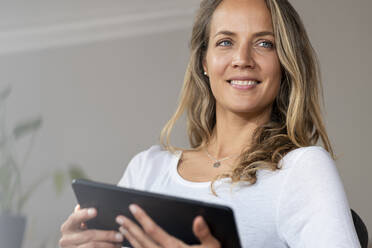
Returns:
(296, 119)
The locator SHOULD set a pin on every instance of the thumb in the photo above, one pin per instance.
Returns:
(202, 232)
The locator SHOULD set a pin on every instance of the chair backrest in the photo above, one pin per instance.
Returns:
(361, 229)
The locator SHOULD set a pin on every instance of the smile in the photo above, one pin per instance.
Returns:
(238, 82)
(243, 84)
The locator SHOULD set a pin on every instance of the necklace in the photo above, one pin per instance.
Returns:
(217, 162)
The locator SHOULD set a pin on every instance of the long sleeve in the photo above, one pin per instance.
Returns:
(313, 210)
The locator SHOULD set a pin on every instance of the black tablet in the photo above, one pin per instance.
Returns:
(175, 215)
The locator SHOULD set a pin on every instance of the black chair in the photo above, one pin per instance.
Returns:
(361, 229)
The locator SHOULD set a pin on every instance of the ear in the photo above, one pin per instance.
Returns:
(205, 67)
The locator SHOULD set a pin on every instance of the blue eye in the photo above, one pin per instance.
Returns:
(266, 44)
(224, 43)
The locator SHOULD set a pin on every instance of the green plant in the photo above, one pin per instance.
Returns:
(13, 195)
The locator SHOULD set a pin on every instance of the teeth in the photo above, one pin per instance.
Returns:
(237, 82)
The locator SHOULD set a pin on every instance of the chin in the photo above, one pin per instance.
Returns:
(243, 110)
(251, 110)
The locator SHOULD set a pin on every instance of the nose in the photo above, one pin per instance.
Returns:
(243, 58)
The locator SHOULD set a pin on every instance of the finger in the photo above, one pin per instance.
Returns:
(77, 208)
(138, 234)
(89, 236)
(130, 238)
(100, 245)
(152, 229)
(73, 222)
(202, 232)
(82, 225)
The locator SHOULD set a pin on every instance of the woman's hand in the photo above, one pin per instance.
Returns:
(75, 234)
(153, 236)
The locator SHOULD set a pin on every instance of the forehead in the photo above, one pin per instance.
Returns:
(241, 16)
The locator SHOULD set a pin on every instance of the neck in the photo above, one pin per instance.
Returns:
(233, 132)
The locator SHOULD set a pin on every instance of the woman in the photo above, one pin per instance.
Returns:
(251, 97)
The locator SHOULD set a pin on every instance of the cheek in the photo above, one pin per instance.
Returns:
(277, 71)
(272, 69)
(217, 65)
(276, 67)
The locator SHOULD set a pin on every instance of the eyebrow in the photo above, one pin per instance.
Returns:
(229, 33)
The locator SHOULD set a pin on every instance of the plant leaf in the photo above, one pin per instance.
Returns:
(59, 179)
(76, 172)
(27, 127)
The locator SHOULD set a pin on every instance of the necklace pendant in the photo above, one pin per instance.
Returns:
(217, 164)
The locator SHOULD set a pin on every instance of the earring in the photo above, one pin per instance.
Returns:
(205, 73)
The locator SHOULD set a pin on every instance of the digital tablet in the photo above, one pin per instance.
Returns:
(174, 214)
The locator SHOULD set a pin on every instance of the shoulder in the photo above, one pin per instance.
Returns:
(307, 151)
(312, 164)
(310, 168)
(312, 155)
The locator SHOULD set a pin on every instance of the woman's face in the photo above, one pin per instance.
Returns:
(241, 59)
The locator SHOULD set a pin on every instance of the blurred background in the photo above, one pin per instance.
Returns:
(87, 84)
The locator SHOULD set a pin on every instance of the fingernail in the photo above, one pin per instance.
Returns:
(119, 237)
(77, 207)
(120, 220)
(133, 208)
(91, 211)
(123, 230)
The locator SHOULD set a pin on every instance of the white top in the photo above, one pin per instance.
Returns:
(301, 205)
